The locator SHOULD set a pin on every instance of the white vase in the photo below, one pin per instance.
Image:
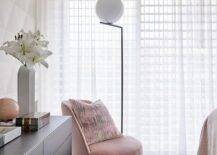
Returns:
(26, 90)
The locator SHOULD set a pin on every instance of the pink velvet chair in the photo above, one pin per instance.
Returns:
(119, 146)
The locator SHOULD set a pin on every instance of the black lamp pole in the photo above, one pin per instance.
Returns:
(122, 70)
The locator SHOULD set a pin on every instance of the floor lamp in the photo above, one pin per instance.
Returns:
(109, 12)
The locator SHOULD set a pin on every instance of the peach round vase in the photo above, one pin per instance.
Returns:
(9, 109)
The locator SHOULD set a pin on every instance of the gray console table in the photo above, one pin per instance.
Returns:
(53, 139)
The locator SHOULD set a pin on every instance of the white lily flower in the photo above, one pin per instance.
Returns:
(29, 48)
(10, 47)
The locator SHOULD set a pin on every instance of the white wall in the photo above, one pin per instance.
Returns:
(14, 16)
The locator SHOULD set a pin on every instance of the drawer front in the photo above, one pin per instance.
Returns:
(57, 138)
(66, 148)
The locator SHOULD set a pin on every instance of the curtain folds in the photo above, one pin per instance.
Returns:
(179, 83)
(169, 59)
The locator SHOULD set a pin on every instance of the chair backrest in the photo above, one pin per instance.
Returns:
(79, 145)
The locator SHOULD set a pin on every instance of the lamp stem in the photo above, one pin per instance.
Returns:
(122, 71)
(122, 79)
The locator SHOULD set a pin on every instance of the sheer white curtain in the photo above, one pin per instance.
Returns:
(178, 73)
(86, 59)
(170, 61)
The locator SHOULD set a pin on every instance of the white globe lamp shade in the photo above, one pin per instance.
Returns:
(109, 11)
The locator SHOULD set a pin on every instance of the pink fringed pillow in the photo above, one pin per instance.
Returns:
(95, 121)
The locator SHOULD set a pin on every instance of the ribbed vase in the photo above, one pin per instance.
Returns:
(26, 90)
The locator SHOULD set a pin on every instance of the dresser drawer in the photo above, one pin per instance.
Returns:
(66, 147)
(56, 139)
